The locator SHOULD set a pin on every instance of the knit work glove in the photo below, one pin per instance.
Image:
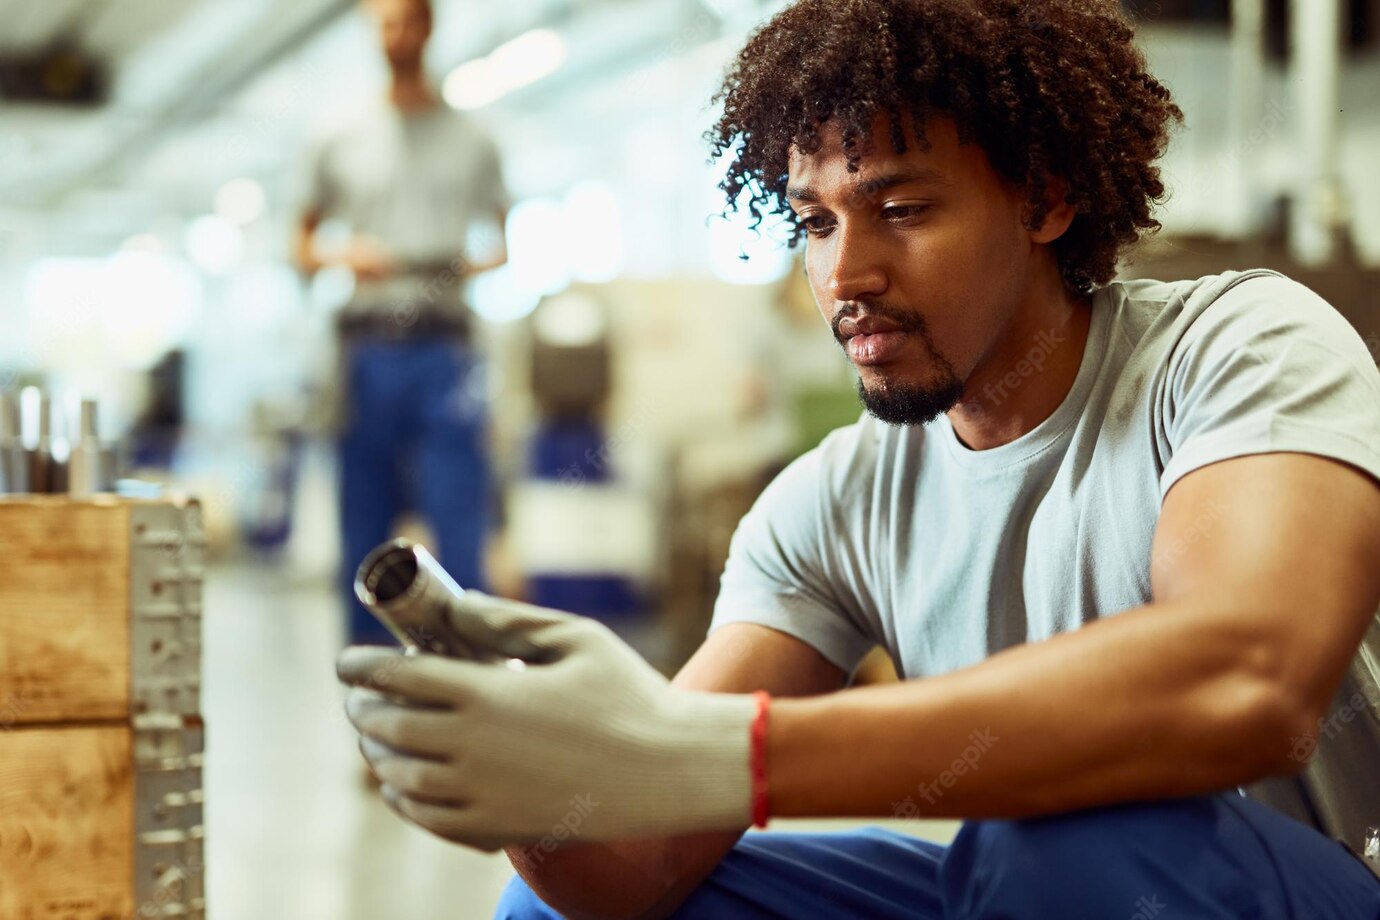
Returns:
(580, 733)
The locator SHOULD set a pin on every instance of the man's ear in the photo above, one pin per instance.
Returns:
(1059, 214)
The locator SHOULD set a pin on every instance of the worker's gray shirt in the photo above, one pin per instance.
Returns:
(944, 556)
(415, 181)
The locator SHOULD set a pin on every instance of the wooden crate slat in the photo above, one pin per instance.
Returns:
(64, 611)
(66, 820)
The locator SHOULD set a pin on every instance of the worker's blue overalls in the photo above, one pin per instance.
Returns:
(1219, 857)
(413, 438)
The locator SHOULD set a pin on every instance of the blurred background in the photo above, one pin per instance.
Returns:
(154, 162)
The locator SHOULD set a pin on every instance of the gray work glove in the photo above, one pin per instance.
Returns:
(587, 736)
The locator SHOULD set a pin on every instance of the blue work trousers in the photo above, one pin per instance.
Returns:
(414, 438)
(1220, 857)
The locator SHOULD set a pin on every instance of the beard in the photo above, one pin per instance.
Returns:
(911, 404)
(904, 404)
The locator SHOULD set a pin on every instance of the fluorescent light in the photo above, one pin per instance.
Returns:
(509, 67)
(241, 201)
(594, 223)
(142, 242)
(214, 244)
(86, 315)
(538, 245)
(498, 297)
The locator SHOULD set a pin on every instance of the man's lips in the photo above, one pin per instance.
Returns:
(877, 348)
(851, 326)
(872, 340)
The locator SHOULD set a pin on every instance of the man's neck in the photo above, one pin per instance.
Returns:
(1028, 373)
(409, 91)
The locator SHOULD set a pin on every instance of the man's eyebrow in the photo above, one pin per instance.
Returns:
(874, 184)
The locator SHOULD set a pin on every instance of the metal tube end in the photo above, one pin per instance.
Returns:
(387, 573)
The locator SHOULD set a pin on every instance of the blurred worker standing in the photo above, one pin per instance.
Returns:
(409, 177)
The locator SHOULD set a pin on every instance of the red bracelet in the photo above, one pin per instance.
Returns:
(761, 808)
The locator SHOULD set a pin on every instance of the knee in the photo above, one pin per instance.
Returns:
(520, 902)
(1090, 863)
(1056, 841)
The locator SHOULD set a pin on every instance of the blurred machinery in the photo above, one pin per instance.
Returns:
(159, 426)
(59, 74)
(582, 536)
(38, 456)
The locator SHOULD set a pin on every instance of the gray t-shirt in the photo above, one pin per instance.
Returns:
(904, 538)
(415, 181)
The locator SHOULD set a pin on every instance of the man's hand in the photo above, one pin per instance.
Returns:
(367, 258)
(579, 738)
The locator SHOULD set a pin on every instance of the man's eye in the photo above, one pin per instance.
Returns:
(816, 226)
(905, 212)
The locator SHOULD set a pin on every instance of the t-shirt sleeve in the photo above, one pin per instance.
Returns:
(779, 570)
(1270, 367)
(312, 189)
(493, 190)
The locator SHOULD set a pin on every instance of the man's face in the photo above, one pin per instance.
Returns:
(405, 27)
(918, 262)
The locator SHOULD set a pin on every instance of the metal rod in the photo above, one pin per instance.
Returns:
(86, 473)
(1250, 124)
(14, 461)
(405, 587)
(1315, 72)
(41, 456)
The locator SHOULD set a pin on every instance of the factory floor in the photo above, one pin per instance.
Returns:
(291, 829)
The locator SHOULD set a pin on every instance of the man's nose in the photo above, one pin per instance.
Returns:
(858, 271)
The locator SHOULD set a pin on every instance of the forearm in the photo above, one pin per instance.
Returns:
(1123, 709)
(304, 253)
(649, 878)
(480, 268)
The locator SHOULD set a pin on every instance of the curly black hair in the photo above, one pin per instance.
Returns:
(1044, 87)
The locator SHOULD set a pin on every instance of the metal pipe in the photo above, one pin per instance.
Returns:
(1315, 73)
(1250, 125)
(14, 461)
(86, 474)
(41, 455)
(405, 587)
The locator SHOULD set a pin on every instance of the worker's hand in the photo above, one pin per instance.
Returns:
(368, 259)
(583, 740)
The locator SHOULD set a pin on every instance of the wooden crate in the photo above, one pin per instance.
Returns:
(100, 731)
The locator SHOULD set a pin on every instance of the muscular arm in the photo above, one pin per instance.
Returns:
(649, 878)
(304, 243)
(1265, 580)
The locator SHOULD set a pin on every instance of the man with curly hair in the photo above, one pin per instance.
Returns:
(1121, 539)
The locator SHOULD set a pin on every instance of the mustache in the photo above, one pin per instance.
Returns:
(904, 320)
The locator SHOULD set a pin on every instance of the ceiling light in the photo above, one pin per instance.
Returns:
(241, 201)
(508, 68)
